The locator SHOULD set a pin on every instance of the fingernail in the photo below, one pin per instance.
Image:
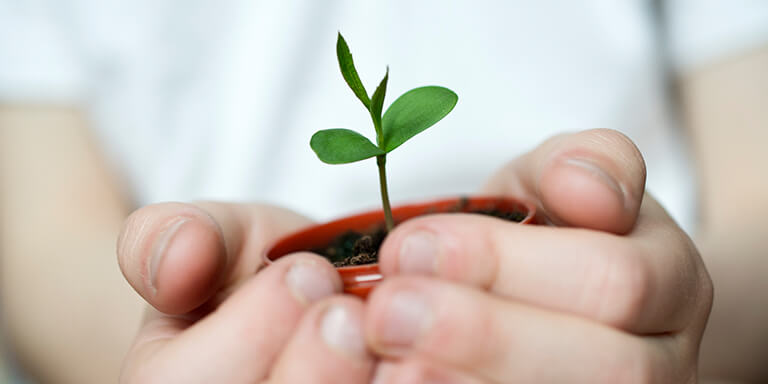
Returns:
(160, 247)
(597, 172)
(409, 315)
(308, 282)
(341, 332)
(418, 253)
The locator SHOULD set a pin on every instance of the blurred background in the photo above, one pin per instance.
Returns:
(106, 106)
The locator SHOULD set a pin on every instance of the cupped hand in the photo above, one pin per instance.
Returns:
(613, 292)
(215, 321)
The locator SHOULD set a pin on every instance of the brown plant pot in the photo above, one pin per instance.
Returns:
(360, 279)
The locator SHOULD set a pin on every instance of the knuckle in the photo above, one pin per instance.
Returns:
(139, 372)
(707, 289)
(705, 286)
(636, 367)
(464, 336)
(138, 378)
(626, 286)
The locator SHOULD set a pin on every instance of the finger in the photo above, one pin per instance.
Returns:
(177, 255)
(328, 346)
(622, 281)
(592, 179)
(505, 342)
(239, 342)
(418, 371)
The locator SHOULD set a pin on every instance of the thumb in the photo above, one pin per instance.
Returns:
(591, 179)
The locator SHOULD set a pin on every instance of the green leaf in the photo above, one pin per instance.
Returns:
(377, 103)
(415, 111)
(349, 72)
(340, 146)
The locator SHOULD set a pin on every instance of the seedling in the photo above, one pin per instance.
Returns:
(412, 113)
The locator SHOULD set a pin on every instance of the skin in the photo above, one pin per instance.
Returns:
(263, 323)
(726, 110)
(60, 213)
(498, 302)
(632, 331)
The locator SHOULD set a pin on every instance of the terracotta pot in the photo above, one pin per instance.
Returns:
(359, 280)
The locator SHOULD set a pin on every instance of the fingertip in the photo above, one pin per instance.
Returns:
(389, 251)
(341, 326)
(443, 245)
(331, 328)
(310, 277)
(592, 179)
(396, 314)
(578, 193)
(414, 247)
(172, 254)
(185, 272)
(293, 283)
(415, 370)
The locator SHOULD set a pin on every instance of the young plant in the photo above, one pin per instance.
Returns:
(412, 113)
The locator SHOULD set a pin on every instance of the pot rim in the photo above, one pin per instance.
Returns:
(529, 218)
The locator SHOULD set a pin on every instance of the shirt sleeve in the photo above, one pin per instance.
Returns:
(38, 57)
(705, 31)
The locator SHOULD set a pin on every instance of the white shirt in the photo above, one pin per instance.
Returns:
(218, 99)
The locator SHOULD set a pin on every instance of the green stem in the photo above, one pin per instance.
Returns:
(381, 162)
(377, 127)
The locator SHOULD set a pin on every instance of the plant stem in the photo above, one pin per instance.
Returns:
(377, 127)
(381, 162)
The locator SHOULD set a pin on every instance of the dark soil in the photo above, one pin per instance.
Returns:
(356, 248)
(509, 216)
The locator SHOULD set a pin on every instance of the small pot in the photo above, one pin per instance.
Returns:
(360, 279)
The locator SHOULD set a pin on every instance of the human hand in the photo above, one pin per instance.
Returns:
(615, 293)
(215, 320)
